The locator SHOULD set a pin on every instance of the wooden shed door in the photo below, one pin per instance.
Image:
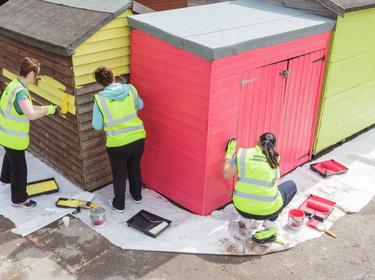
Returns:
(282, 98)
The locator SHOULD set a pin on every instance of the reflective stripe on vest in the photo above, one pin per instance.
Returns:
(112, 122)
(255, 197)
(14, 128)
(124, 130)
(8, 115)
(12, 117)
(256, 191)
(13, 132)
(246, 180)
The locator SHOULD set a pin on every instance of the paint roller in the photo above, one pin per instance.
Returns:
(317, 206)
(160, 225)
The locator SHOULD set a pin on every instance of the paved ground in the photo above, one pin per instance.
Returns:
(78, 252)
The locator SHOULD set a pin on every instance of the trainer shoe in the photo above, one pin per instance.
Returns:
(3, 184)
(249, 224)
(114, 208)
(27, 204)
(267, 224)
(135, 201)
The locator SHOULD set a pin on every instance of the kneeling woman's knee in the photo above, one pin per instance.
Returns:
(292, 186)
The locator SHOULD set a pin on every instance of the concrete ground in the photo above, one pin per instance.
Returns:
(78, 252)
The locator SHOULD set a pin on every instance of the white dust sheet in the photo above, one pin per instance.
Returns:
(218, 233)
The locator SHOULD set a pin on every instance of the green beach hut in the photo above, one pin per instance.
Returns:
(348, 97)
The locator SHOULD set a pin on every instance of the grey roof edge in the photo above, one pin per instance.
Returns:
(273, 40)
(339, 10)
(116, 13)
(140, 8)
(332, 6)
(156, 32)
(120, 11)
(48, 47)
(210, 54)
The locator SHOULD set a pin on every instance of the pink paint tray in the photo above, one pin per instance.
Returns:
(328, 167)
(317, 208)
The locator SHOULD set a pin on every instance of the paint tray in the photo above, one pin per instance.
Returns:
(45, 186)
(148, 223)
(328, 167)
(317, 208)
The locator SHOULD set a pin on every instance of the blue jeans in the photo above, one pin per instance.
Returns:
(288, 190)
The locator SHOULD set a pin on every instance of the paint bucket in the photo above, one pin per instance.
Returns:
(98, 217)
(295, 219)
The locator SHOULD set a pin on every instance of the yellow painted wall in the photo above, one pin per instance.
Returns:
(348, 100)
(109, 46)
(51, 90)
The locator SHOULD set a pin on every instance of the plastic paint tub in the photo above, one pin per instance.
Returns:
(98, 217)
(296, 218)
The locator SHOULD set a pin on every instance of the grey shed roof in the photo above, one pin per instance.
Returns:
(105, 6)
(55, 27)
(223, 29)
(341, 6)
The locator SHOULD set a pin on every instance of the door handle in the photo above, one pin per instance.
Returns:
(285, 73)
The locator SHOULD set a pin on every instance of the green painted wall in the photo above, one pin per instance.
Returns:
(348, 99)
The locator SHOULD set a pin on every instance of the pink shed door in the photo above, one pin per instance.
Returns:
(282, 98)
(300, 109)
(261, 95)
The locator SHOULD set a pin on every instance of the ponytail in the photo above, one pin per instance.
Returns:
(267, 142)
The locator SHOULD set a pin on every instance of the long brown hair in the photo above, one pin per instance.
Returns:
(267, 142)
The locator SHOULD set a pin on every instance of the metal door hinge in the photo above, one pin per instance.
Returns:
(285, 73)
(244, 82)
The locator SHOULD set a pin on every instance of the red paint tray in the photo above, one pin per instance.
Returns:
(317, 208)
(328, 167)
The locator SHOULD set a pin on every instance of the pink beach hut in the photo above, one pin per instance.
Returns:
(209, 73)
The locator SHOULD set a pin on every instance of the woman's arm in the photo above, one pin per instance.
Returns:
(229, 169)
(32, 112)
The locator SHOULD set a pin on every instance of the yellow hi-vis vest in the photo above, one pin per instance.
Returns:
(14, 128)
(256, 191)
(121, 123)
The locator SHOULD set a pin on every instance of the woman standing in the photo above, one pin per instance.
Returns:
(256, 195)
(115, 111)
(16, 111)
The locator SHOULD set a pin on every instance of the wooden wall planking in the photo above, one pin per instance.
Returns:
(55, 140)
(175, 117)
(109, 46)
(348, 103)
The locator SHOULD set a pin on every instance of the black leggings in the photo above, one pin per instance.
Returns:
(126, 160)
(14, 171)
(287, 190)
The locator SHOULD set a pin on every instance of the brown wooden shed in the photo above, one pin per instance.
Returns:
(70, 38)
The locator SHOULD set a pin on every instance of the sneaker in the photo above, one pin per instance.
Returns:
(113, 208)
(3, 184)
(267, 224)
(136, 201)
(249, 224)
(27, 204)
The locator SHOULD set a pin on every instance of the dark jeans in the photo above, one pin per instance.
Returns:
(14, 171)
(288, 190)
(126, 160)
